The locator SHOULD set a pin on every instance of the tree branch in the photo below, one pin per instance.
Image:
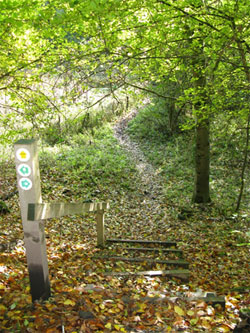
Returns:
(188, 14)
(150, 91)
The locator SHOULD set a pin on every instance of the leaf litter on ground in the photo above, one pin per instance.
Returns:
(84, 299)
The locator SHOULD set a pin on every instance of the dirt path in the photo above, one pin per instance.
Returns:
(149, 177)
(143, 211)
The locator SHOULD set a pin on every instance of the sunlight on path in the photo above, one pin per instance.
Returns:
(149, 177)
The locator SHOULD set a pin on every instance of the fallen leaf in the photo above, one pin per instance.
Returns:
(223, 329)
(69, 302)
(179, 310)
(190, 313)
(194, 321)
(108, 326)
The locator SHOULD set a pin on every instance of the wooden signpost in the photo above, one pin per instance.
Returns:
(28, 178)
(34, 212)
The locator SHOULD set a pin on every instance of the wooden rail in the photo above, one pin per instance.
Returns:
(44, 211)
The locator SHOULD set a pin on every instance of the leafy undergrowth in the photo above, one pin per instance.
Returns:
(173, 157)
(83, 298)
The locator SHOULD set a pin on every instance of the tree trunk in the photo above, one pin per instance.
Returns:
(202, 162)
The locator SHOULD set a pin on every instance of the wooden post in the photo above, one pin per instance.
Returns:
(28, 178)
(100, 228)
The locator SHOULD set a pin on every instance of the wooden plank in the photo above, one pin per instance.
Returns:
(100, 228)
(208, 297)
(134, 241)
(152, 249)
(39, 211)
(180, 263)
(214, 300)
(181, 274)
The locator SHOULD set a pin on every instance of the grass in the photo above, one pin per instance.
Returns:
(89, 168)
(173, 157)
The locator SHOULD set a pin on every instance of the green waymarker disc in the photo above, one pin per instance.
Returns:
(25, 184)
(24, 170)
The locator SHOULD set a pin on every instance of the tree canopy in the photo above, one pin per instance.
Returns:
(192, 54)
(137, 41)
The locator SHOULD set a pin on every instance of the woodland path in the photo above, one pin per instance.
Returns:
(149, 209)
(148, 174)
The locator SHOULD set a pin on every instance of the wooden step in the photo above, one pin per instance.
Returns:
(180, 263)
(134, 241)
(181, 274)
(152, 249)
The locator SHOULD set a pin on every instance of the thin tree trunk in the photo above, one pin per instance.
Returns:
(243, 56)
(242, 176)
(202, 156)
(202, 163)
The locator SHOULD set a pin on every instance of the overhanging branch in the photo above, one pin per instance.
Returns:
(150, 91)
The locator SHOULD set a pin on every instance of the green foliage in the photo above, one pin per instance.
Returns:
(113, 43)
(95, 163)
(139, 41)
(173, 157)
(151, 122)
(3, 208)
(69, 130)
